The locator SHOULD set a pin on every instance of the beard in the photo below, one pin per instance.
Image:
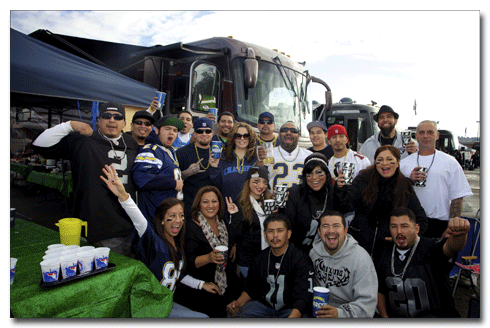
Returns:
(203, 142)
(385, 132)
(290, 147)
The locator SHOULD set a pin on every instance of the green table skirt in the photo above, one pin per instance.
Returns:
(128, 290)
(51, 180)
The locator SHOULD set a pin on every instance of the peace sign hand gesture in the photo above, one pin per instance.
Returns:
(232, 208)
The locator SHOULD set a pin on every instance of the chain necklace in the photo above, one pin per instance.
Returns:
(198, 158)
(297, 153)
(110, 141)
(400, 275)
(239, 163)
(277, 266)
(172, 157)
(418, 153)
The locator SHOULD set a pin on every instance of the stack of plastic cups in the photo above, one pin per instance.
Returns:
(50, 266)
(69, 261)
(86, 259)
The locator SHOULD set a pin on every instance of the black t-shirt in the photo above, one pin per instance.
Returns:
(424, 290)
(327, 151)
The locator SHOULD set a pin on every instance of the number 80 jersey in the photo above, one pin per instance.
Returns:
(288, 167)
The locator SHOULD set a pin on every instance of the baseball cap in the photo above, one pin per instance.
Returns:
(203, 123)
(263, 172)
(336, 129)
(318, 124)
(111, 106)
(143, 114)
(385, 109)
(266, 114)
(170, 120)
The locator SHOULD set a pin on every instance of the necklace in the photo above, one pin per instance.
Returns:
(297, 153)
(172, 157)
(198, 158)
(400, 275)
(239, 163)
(110, 141)
(418, 153)
(277, 266)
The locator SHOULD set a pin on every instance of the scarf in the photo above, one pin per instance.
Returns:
(215, 241)
(261, 215)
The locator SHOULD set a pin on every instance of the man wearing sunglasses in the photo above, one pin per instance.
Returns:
(266, 128)
(88, 152)
(141, 126)
(156, 170)
(194, 162)
(288, 157)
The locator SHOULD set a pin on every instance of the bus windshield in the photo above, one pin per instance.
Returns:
(279, 90)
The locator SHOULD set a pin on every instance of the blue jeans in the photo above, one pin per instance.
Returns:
(255, 309)
(180, 311)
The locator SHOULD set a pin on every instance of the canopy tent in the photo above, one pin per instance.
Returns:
(43, 75)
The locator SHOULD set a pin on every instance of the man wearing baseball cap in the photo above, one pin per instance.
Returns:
(387, 135)
(156, 171)
(266, 127)
(88, 152)
(194, 162)
(141, 126)
(318, 137)
(338, 140)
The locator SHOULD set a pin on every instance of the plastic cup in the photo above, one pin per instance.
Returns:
(320, 297)
(53, 256)
(224, 251)
(69, 252)
(101, 257)
(348, 172)
(422, 183)
(54, 251)
(13, 264)
(69, 265)
(71, 247)
(50, 270)
(406, 136)
(269, 205)
(269, 157)
(214, 111)
(280, 192)
(86, 248)
(85, 261)
(56, 246)
(160, 98)
(216, 148)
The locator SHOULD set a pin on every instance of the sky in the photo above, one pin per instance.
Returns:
(394, 57)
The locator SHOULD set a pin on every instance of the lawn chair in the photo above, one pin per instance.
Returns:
(468, 261)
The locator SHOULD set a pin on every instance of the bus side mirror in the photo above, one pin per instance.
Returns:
(328, 100)
(250, 69)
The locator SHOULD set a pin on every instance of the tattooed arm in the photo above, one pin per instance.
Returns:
(456, 208)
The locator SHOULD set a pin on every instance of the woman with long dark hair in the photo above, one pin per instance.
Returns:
(308, 200)
(373, 194)
(238, 156)
(204, 233)
(160, 246)
(248, 216)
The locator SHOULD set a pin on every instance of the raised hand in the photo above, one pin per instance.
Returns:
(232, 208)
(114, 183)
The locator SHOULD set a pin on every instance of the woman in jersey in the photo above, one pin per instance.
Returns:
(160, 247)
(247, 217)
(308, 200)
(239, 155)
(206, 231)
(373, 194)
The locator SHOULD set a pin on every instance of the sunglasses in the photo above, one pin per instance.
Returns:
(266, 122)
(240, 136)
(107, 116)
(142, 123)
(292, 130)
(201, 131)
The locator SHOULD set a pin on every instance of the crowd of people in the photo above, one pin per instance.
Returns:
(380, 228)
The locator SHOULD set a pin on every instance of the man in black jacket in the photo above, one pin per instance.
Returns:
(280, 280)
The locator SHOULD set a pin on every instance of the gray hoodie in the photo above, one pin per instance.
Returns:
(369, 147)
(351, 277)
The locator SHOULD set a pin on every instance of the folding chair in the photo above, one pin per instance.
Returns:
(466, 262)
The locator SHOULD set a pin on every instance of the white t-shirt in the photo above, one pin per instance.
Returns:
(288, 167)
(360, 163)
(445, 181)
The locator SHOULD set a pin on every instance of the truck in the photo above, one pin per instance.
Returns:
(358, 119)
(232, 76)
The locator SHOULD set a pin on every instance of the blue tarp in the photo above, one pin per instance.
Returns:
(39, 69)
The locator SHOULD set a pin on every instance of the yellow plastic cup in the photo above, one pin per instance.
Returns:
(70, 230)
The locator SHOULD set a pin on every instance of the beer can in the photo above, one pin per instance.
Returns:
(216, 149)
(320, 297)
